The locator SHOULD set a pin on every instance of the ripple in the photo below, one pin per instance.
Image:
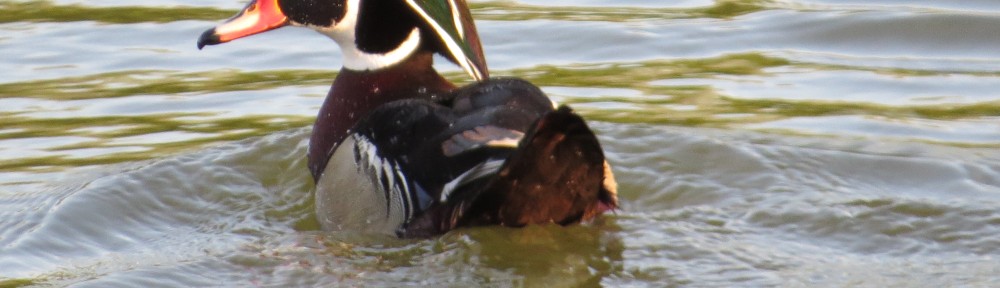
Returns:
(161, 209)
(804, 143)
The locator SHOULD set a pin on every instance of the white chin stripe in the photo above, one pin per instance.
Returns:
(355, 59)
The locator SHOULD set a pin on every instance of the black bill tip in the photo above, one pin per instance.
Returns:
(208, 38)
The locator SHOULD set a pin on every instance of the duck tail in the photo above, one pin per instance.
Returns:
(558, 174)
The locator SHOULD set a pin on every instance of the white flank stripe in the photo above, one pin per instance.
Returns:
(368, 150)
(479, 171)
(387, 172)
(405, 193)
(384, 170)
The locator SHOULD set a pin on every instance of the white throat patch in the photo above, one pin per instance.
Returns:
(344, 33)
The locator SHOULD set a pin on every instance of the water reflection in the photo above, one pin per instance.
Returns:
(579, 256)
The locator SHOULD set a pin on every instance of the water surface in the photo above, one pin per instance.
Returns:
(757, 143)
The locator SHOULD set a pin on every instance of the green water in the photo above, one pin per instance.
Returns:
(757, 143)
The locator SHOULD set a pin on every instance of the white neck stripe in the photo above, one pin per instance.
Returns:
(355, 59)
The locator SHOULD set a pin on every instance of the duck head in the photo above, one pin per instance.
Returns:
(372, 34)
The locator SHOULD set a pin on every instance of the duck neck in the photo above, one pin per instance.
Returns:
(356, 93)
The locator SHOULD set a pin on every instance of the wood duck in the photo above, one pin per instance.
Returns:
(397, 149)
